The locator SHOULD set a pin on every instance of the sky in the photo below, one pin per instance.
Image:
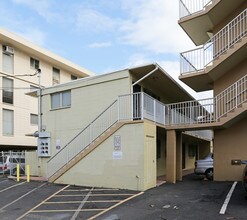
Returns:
(103, 35)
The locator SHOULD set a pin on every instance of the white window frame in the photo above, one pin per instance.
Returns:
(55, 76)
(8, 131)
(34, 63)
(59, 97)
(8, 67)
(34, 117)
(8, 89)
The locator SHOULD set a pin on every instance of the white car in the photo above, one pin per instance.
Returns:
(205, 166)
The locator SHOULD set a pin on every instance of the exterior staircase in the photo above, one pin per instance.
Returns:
(86, 151)
(218, 112)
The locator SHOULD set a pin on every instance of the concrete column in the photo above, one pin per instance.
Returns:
(179, 171)
(171, 156)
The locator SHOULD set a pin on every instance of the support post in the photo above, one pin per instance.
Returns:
(171, 156)
(17, 172)
(28, 173)
(179, 171)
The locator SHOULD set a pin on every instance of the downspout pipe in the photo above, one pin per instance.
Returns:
(147, 75)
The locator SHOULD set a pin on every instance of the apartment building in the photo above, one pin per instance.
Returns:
(110, 130)
(23, 68)
(219, 63)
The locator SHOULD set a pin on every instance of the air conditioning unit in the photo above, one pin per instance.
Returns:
(8, 50)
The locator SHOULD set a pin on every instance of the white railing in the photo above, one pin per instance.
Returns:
(139, 106)
(231, 97)
(191, 112)
(83, 139)
(202, 57)
(189, 7)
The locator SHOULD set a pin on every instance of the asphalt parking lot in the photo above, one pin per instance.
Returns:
(193, 198)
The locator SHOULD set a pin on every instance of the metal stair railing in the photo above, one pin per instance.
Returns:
(208, 110)
(189, 7)
(83, 139)
(231, 98)
(202, 57)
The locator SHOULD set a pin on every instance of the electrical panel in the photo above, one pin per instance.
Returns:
(44, 144)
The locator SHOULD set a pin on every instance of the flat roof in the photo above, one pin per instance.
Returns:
(16, 41)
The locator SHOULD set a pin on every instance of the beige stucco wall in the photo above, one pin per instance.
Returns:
(99, 168)
(230, 144)
(230, 18)
(230, 77)
(150, 164)
(88, 100)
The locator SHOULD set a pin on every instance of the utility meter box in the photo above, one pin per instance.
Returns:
(44, 144)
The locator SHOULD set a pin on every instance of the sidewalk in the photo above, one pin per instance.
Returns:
(32, 178)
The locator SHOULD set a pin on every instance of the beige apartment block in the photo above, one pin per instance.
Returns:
(20, 61)
(219, 63)
(111, 131)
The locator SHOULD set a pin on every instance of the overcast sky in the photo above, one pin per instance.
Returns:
(102, 35)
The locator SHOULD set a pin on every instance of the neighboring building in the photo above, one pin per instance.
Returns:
(110, 130)
(20, 60)
(219, 28)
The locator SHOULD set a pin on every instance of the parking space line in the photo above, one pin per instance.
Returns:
(68, 210)
(32, 210)
(81, 190)
(123, 194)
(71, 202)
(123, 201)
(12, 187)
(81, 205)
(228, 197)
(22, 197)
(3, 181)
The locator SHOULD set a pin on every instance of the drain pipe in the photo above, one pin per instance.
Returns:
(144, 77)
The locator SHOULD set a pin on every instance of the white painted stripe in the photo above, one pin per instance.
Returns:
(228, 197)
(21, 197)
(81, 206)
(31, 210)
(12, 187)
(3, 181)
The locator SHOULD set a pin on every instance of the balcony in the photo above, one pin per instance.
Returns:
(198, 18)
(200, 67)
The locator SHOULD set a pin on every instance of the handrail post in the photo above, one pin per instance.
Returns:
(118, 104)
(154, 110)
(142, 106)
(236, 95)
(67, 151)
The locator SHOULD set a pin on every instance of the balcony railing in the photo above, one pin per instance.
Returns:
(198, 59)
(189, 7)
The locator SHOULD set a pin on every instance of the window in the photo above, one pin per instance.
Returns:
(8, 60)
(61, 100)
(33, 119)
(7, 91)
(8, 122)
(34, 63)
(55, 76)
(73, 77)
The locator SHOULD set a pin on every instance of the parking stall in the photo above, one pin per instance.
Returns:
(74, 202)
